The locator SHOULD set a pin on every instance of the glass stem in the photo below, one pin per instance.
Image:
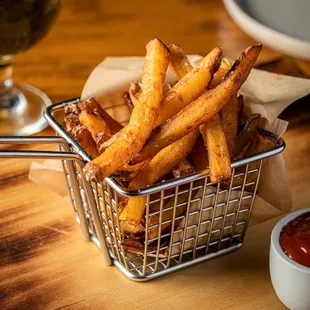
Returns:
(11, 100)
(6, 82)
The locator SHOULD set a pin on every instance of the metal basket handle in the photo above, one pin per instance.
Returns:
(63, 154)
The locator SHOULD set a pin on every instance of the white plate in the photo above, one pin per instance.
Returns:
(283, 25)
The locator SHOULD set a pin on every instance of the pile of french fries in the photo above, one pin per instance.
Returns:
(196, 125)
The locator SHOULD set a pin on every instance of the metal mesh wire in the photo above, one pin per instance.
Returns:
(185, 222)
(183, 225)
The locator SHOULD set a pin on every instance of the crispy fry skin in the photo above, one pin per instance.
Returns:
(96, 126)
(100, 133)
(144, 115)
(202, 109)
(158, 167)
(240, 109)
(127, 172)
(246, 135)
(85, 140)
(91, 105)
(190, 86)
(134, 92)
(106, 144)
(229, 120)
(72, 112)
(220, 73)
(128, 101)
(179, 63)
(164, 161)
(199, 155)
(219, 159)
(183, 169)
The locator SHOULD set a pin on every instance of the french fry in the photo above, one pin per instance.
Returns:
(183, 169)
(91, 105)
(144, 115)
(218, 154)
(240, 109)
(199, 155)
(246, 135)
(85, 140)
(179, 63)
(229, 121)
(220, 73)
(108, 143)
(211, 131)
(134, 92)
(158, 167)
(128, 101)
(131, 97)
(261, 141)
(100, 133)
(72, 112)
(127, 172)
(190, 86)
(202, 109)
(133, 245)
(96, 125)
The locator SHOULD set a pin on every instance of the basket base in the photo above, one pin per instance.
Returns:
(141, 278)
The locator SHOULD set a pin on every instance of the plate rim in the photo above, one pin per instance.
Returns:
(277, 40)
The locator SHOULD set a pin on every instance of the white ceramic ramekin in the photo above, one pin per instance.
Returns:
(290, 280)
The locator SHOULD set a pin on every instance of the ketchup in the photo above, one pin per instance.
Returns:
(295, 239)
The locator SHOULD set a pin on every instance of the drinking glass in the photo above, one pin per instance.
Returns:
(22, 24)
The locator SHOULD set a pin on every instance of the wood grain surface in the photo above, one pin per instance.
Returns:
(44, 261)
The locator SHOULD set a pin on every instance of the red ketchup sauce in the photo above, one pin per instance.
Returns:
(295, 239)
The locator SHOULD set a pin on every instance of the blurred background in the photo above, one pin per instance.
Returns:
(85, 32)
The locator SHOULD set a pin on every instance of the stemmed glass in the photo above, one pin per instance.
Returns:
(22, 24)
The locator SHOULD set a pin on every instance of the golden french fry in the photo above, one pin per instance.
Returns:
(190, 86)
(219, 159)
(229, 113)
(262, 140)
(128, 101)
(127, 172)
(179, 63)
(85, 140)
(106, 144)
(220, 73)
(199, 155)
(202, 109)
(158, 167)
(96, 125)
(134, 92)
(91, 105)
(183, 169)
(246, 135)
(213, 137)
(240, 109)
(143, 117)
(72, 112)
(229, 121)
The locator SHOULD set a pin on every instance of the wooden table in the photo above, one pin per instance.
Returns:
(45, 263)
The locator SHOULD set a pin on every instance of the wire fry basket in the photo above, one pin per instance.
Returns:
(187, 220)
